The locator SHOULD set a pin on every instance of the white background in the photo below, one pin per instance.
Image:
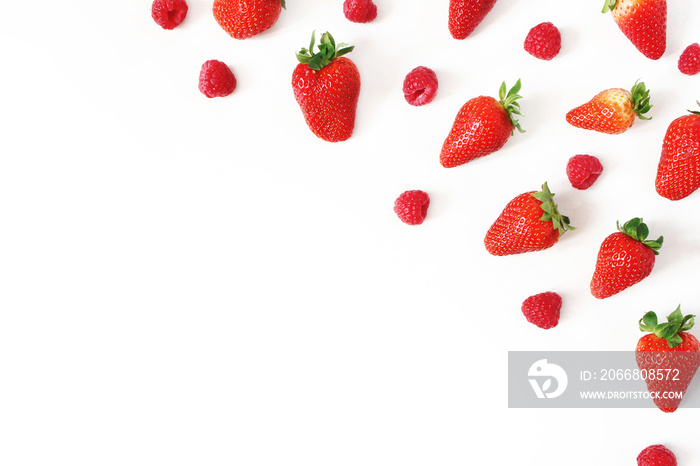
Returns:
(202, 281)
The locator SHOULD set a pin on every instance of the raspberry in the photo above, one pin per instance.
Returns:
(543, 41)
(216, 79)
(412, 206)
(420, 86)
(689, 61)
(583, 170)
(360, 11)
(656, 455)
(542, 309)
(168, 13)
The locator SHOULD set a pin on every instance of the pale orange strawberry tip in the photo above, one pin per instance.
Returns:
(327, 51)
(670, 330)
(639, 231)
(508, 100)
(560, 222)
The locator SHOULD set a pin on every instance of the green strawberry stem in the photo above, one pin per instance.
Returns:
(609, 5)
(695, 112)
(640, 96)
(508, 101)
(677, 323)
(327, 52)
(551, 213)
(638, 230)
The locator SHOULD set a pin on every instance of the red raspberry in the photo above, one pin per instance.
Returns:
(360, 11)
(168, 13)
(689, 61)
(420, 86)
(412, 206)
(656, 455)
(542, 309)
(543, 41)
(583, 170)
(216, 79)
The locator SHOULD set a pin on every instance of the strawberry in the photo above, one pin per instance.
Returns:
(678, 173)
(482, 126)
(242, 19)
(643, 22)
(529, 222)
(612, 111)
(668, 357)
(656, 455)
(327, 88)
(625, 258)
(543, 309)
(465, 15)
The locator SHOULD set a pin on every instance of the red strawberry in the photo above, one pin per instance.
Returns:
(465, 15)
(482, 126)
(583, 170)
(360, 11)
(625, 258)
(668, 357)
(216, 79)
(327, 88)
(543, 41)
(612, 111)
(529, 222)
(656, 455)
(420, 86)
(242, 19)
(543, 309)
(643, 22)
(689, 61)
(168, 14)
(412, 206)
(678, 173)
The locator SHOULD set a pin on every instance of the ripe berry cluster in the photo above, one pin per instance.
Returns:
(326, 86)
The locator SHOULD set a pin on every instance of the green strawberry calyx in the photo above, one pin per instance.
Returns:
(670, 330)
(638, 230)
(327, 51)
(550, 212)
(508, 99)
(609, 5)
(695, 112)
(641, 99)
(282, 2)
